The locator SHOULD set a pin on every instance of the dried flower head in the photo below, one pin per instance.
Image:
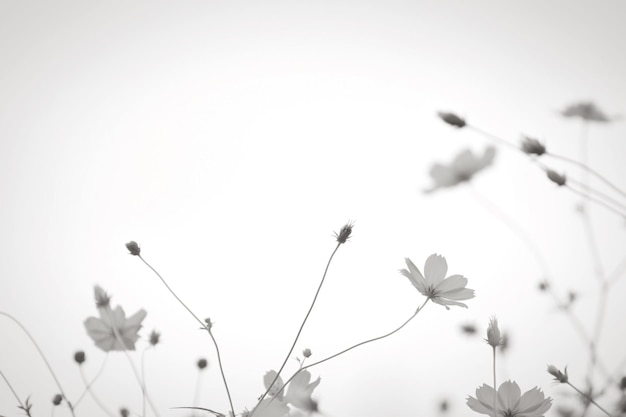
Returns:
(202, 363)
(557, 374)
(154, 337)
(494, 338)
(102, 298)
(556, 178)
(462, 169)
(133, 248)
(452, 119)
(344, 233)
(306, 353)
(79, 357)
(510, 401)
(57, 399)
(586, 110)
(532, 146)
(124, 412)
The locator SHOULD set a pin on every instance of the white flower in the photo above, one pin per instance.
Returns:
(464, 166)
(442, 291)
(510, 402)
(298, 394)
(101, 330)
(299, 391)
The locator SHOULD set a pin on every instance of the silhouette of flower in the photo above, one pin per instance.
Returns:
(432, 284)
(510, 402)
(464, 166)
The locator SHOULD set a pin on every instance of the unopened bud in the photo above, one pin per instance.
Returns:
(133, 248)
(102, 298)
(452, 119)
(494, 338)
(202, 363)
(79, 357)
(209, 323)
(532, 146)
(558, 375)
(556, 178)
(306, 353)
(56, 400)
(154, 337)
(124, 412)
(344, 233)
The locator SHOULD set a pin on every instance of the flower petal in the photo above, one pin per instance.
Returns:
(435, 269)
(415, 276)
(509, 395)
(533, 403)
(460, 294)
(267, 380)
(453, 282)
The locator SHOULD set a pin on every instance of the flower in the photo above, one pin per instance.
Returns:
(452, 119)
(464, 166)
(555, 177)
(102, 330)
(344, 233)
(299, 391)
(557, 374)
(434, 286)
(494, 338)
(298, 394)
(510, 402)
(133, 248)
(532, 146)
(586, 110)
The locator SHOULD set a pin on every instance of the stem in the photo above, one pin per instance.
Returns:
(293, 345)
(196, 395)
(56, 380)
(88, 388)
(15, 394)
(495, 403)
(595, 200)
(588, 398)
(204, 326)
(143, 380)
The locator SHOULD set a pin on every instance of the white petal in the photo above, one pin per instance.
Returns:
(435, 269)
(453, 282)
(267, 380)
(509, 395)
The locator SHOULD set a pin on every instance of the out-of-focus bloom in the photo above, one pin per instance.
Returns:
(272, 378)
(557, 374)
(79, 357)
(494, 338)
(102, 330)
(544, 285)
(532, 146)
(133, 248)
(344, 233)
(56, 400)
(510, 402)
(102, 298)
(451, 119)
(556, 178)
(154, 338)
(586, 110)
(202, 363)
(468, 329)
(124, 412)
(442, 291)
(463, 168)
(306, 353)
(300, 389)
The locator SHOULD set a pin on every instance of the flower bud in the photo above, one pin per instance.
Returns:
(494, 338)
(102, 298)
(622, 383)
(558, 375)
(202, 363)
(56, 400)
(344, 233)
(532, 146)
(79, 357)
(154, 337)
(133, 248)
(209, 323)
(306, 353)
(452, 119)
(556, 178)
(124, 412)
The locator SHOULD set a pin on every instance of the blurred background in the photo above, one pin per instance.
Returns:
(231, 139)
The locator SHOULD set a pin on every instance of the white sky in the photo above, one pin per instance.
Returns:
(230, 139)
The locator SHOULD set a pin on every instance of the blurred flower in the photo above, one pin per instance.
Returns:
(124, 412)
(556, 178)
(494, 338)
(299, 391)
(344, 233)
(306, 353)
(133, 248)
(79, 357)
(468, 329)
(532, 146)
(444, 406)
(56, 400)
(586, 110)
(557, 374)
(102, 330)
(154, 337)
(451, 119)
(464, 166)
(102, 298)
(544, 285)
(272, 378)
(441, 291)
(202, 363)
(622, 383)
(510, 402)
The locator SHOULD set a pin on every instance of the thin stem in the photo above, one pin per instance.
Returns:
(15, 394)
(599, 194)
(595, 200)
(143, 380)
(93, 395)
(293, 345)
(495, 387)
(493, 137)
(196, 394)
(617, 273)
(204, 326)
(588, 398)
(56, 380)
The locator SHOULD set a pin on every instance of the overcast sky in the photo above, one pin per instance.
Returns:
(230, 139)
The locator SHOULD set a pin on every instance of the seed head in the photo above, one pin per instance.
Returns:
(452, 119)
(202, 363)
(344, 233)
(532, 146)
(555, 177)
(79, 357)
(558, 375)
(494, 338)
(133, 248)
(306, 353)
(56, 400)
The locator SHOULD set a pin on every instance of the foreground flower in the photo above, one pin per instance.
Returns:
(102, 330)
(510, 402)
(298, 394)
(587, 111)
(442, 291)
(464, 166)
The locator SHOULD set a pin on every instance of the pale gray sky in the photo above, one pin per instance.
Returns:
(230, 139)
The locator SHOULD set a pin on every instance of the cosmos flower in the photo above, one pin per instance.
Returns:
(298, 394)
(464, 166)
(587, 111)
(300, 389)
(432, 284)
(510, 402)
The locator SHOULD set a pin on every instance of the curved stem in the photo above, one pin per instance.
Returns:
(22, 406)
(588, 398)
(495, 387)
(56, 380)
(88, 389)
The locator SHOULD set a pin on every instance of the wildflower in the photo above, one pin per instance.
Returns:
(56, 400)
(299, 391)
(306, 353)
(556, 178)
(202, 363)
(441, 291)
(344, 233)
(463, 168)
(532, 146)
(494, 338)
(557, 374)
(154, 337)
(451, 119)
(133, 248)
(510, 402)
(102, 330)
(102, 298)
(79, 357)
(587, 111)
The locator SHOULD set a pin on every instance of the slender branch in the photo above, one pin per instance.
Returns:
(88, 389)
(22, 406)
(588, 398)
